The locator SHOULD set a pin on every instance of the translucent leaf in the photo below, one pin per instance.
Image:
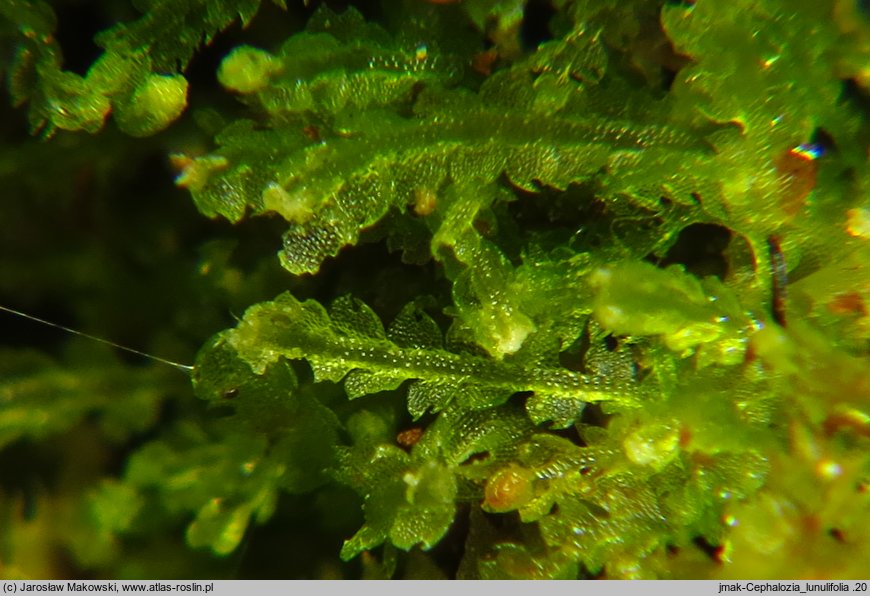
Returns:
(413, 328)
(458, 433)
(639, 299)
(351, 91)
(424, 396)
(354, 318)
(410, 505)
(303, 330)
(360, 383)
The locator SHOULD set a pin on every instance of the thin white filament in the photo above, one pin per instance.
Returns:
(182, 367)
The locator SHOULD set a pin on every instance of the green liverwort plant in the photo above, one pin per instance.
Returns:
(567, 289)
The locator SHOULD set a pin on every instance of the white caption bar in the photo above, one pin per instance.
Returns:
(421, 588)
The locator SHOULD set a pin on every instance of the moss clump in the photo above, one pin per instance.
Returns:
(583, 301)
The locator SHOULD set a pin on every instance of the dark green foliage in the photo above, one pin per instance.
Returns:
(569, 290)
(136, 76)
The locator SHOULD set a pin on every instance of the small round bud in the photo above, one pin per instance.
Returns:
(508, 489)
(247, 69)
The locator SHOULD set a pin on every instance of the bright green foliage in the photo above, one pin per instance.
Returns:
(638, 299)
(622, 329)
(353, 346)
(410, 499)
(409, 504)
(247, 70)
(129, 78)
(334, 181)
(320, 163)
